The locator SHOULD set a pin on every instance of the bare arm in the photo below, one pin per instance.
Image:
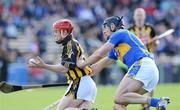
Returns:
(56, 68)
(39, 63)
(98, 54)
(97, 67)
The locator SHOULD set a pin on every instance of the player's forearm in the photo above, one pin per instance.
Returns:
(55, 68)
(92, 59)
(98, 54)
(97, 67)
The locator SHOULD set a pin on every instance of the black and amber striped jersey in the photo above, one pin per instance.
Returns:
(145, 33)
(71, 52)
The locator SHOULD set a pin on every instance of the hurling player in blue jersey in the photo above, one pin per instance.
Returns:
(142, 75)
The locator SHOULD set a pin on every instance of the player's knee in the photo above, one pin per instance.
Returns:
(120, 100)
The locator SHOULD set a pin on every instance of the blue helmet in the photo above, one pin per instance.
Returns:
(116, 20)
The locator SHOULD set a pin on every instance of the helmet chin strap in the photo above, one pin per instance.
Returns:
(111, 28)
(65, 40)
(58, 42)
(107, 38)
(111, 31)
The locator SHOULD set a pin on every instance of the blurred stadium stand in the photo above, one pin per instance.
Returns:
(25, 31)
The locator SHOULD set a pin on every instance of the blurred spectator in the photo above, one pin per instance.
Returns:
(17, 70)
(3, 62)
(11, 29)
(41, 34)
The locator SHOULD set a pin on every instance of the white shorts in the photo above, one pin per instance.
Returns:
(83, 88)
(146, 71)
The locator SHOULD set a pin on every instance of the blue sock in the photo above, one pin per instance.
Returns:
(154, 101)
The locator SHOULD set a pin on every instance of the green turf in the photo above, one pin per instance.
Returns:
(39, 98)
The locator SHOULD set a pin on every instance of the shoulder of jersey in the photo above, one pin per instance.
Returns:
(75, 41)
(120, 31)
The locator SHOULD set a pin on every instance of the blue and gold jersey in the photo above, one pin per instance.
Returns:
(127, 47)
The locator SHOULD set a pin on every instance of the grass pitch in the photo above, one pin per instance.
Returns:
(37, 99)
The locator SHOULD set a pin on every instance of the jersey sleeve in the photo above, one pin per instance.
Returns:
(112, 54)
